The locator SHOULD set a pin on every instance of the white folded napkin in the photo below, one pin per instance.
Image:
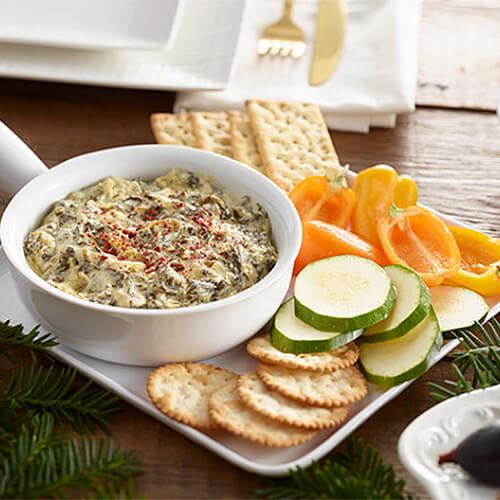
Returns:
(374, 80)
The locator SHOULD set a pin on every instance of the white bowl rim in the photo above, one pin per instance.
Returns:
(285, 258)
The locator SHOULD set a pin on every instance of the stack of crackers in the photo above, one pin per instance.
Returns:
(286, 141)
(283, 402)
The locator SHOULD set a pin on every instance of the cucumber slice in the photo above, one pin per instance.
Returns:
(290, 334)
(343, 293)
(457, 307)
(395, 361)
(412, 305)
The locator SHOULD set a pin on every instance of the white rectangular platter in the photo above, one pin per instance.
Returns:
(199, 56)
(129, 382)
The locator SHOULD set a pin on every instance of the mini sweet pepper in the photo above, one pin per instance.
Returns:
(416, 238)
(375, 189)
(327, 200)
(480, 261)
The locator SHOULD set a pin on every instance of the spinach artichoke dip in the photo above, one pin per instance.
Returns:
(176, 241)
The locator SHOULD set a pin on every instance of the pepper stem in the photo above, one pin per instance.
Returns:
(394, 210)
(337, 181)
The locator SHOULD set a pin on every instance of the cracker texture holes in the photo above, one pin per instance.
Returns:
(339, 388)
(211, 132)
(293, 141)
(170, 128)
(182, 391)
(271, 404)
(243, 141)
(229, 411)
(261, 348)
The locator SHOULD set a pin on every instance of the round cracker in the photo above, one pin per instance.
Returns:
(182, 391)
(261, 348)
(339, 388)
(229, 411)
(257, 396)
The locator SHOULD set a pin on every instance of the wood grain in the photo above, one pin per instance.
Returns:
(459, 63)
(453, 155)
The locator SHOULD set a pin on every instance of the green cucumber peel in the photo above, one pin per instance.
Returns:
(289, 334)
(285, 344)
(414, 371)
(411, 321)
(318, 283)
(457, 307)
(330, 324)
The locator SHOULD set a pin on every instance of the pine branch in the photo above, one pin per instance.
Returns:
(43, 463)
(110, 490)
(49, 390)
(478, 366)
(26, 449)
(10, 427)
(12, 336)
(359, 473)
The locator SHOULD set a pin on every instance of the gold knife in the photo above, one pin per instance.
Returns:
(330, 29)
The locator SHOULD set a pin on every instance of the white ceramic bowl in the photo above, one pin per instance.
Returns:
(140, 336)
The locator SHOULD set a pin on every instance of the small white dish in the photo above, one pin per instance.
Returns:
(89, 24)
(439, 430)
(200, 56)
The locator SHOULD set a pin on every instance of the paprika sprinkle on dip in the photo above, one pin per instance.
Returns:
(176, 241)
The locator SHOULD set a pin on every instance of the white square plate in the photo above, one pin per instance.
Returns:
(200, 56)
(91, 24)
(129, 382)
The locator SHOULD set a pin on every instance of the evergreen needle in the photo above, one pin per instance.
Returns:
(45, 463)
(478, 366)
(49, 390)
(359, 473)
(35, 459)
(13, 336)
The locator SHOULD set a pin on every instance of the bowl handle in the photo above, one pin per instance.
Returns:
(18, 163)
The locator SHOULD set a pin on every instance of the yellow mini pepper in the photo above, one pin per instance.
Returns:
(480, 263)
(375, 189)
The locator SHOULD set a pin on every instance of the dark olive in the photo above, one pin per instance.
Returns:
(479, 455)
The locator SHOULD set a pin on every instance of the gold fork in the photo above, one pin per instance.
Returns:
(283, 37)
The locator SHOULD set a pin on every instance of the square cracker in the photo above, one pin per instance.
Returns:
(211, 132)
(170, 128)
(243, 141)
(293, 141)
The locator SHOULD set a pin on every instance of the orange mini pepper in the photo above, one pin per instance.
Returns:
(327, 200)
(320, 240)
(480, 263)
(416, 238)
(376, 188)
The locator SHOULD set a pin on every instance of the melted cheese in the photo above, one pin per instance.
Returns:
(172, 242)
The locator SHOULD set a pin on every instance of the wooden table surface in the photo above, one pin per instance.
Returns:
(450, 145)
